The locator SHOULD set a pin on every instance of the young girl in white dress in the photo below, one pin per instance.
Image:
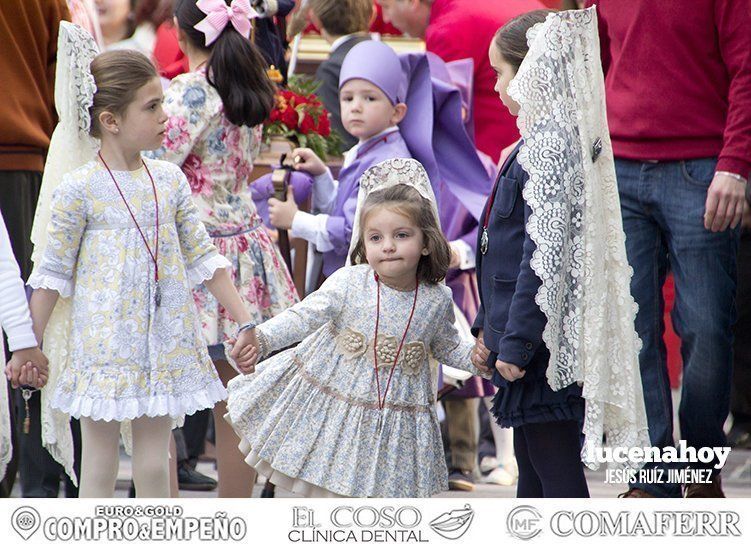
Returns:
(350, 410)
(126, 243)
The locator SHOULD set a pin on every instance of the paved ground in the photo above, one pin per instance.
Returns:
(736, 481)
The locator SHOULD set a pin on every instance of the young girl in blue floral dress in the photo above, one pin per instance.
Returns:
(215, 113)
(351, 410)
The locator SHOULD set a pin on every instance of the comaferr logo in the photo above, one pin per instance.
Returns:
(524, 522)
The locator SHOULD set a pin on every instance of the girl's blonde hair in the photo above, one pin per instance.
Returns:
(118, 75)
(406, 201)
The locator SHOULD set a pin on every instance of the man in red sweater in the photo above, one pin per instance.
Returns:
(678, 83)
(460, 29)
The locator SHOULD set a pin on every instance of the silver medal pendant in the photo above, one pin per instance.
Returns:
(484, 241)
(157, 295)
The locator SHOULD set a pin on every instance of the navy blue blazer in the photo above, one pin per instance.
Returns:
(509, 316)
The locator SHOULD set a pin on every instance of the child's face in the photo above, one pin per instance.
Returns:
(366, 110)
(113, 14)
(393, 245)
(504, 74)
(143, 122)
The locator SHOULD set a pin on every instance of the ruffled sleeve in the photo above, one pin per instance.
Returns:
(201, 256)
(66, 227)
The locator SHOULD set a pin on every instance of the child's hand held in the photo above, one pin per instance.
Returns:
(509, 371)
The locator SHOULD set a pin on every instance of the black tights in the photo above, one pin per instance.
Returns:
(549, 460)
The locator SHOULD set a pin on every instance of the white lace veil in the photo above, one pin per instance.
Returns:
(70, 147)
(387, 174)
(576, 225)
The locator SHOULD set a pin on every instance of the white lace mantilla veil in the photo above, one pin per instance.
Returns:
(576, 225)
(70, 147)
(387, 174)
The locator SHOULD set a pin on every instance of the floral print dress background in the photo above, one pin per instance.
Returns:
(217, 158)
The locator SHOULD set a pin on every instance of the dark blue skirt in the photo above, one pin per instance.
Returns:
(531, 400)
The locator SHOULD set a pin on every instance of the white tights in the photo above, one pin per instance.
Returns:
(503, 437)
(100, 457)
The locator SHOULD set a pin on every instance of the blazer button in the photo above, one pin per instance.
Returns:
(529, 345)
(525, 356)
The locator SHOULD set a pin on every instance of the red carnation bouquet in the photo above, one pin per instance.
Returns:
(300, 117)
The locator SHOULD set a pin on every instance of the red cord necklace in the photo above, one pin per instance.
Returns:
(153, 254)
(382, 401)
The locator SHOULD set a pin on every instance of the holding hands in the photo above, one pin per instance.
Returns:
(246, 351)
(27, 367)
(480, 354)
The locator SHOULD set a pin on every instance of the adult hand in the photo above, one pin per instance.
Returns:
(480, 354)
(725, 200)
(508, 371)
(282, 213)
(306, 160)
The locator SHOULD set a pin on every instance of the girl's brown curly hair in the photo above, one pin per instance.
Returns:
(406, 201)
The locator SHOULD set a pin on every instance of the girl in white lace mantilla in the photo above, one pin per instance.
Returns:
(350, 410)
(557, 316)
(123, 245)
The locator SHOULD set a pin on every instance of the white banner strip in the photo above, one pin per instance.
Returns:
(283, 521)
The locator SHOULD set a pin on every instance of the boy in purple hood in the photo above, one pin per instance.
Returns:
(372, 92)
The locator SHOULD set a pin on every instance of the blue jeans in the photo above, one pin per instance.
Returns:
(663, 216)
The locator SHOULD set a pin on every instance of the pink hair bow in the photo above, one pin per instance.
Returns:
(218, 14)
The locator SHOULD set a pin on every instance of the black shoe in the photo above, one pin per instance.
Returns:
(192, 480)
(461, 480)
(268, 491)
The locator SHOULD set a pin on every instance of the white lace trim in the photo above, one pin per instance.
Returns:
(40, 280)
(204, 269)
(174, 406)
(576, 225)
(264, 468)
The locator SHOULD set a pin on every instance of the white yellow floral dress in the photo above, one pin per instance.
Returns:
(128, 357)
(308, 418)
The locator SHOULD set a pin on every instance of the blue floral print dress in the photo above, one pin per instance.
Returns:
(308, 418)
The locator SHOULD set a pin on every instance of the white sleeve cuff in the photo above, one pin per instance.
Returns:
(41, 280)
(324, 192)
(204, 269)
(313, 229)
(467, 257)
(21, 339)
